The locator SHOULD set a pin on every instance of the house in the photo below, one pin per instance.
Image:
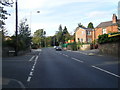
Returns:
(107, 27)
(84, 35)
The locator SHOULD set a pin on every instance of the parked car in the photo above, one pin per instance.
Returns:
(54, 46)
(58, 48)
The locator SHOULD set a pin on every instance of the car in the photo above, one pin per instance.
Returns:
(58, 48)
(54, 46)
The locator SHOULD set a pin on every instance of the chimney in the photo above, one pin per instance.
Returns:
(114, 19)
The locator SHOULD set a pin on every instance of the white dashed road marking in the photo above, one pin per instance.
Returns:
(77, 60)
(29, 78)
(106, 71)
(33, 67)
(32, 58)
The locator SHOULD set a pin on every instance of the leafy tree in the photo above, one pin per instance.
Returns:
(3, 16)
(3, 12)
(60, 28)
(80, 25)
(38, 38)
(65, 31)
(24, 35)
(59, 35)
(90, 25)
(66, 35)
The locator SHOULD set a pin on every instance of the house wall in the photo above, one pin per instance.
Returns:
(109, 29)
(98, 31)
(81, 34)
(112, 29)
(89, 36)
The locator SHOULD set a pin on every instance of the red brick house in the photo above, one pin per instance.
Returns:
(84, 34)
(107, 27)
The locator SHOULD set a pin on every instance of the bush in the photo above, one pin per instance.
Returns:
(105, 39)
(74, 46)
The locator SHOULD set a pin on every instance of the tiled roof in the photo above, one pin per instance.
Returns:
(109, 23)
(84, 28)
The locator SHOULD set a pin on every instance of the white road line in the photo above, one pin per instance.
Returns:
(32, 58)
(29, 78)
(32, 69)
(77, 60)
(36, 58)
(31, 74)
(34, 64)
(106, 71)
(66, 55)
(60, 53)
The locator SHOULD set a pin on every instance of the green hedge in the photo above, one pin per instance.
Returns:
(105, 39)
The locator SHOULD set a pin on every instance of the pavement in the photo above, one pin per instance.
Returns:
(89, 52)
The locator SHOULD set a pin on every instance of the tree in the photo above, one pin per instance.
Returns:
(39, 37)
(90, 25)
(60, 28)
(24, 35)
(3, 12)
(65, 31)
(59, 35)
(80, 25)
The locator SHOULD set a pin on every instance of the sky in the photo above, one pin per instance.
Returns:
(65, 12)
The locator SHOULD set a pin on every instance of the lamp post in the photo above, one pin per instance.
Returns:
(16, 26)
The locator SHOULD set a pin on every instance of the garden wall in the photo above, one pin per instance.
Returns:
(110, 49)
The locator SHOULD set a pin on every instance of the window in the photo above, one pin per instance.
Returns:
(83, 32)
(81, 39)
(88, 32)
(104, 31)
(89, 40)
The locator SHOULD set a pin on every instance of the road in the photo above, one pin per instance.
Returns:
(47, 68)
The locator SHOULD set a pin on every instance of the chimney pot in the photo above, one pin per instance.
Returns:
(114, 18)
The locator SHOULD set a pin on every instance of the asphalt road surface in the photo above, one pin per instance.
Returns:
(48, 68)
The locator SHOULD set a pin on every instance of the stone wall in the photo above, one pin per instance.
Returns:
(85, 47)
(110, 49)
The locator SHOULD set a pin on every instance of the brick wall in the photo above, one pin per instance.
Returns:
(109, 29)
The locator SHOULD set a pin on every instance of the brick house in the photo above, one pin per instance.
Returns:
(84, 35)
(107, 27)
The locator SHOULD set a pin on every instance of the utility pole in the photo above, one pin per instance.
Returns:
(16, 33)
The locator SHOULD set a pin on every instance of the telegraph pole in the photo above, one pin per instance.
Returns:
(16, 32)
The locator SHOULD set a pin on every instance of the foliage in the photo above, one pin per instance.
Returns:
(62, 35)
(80, 25)
(24, 39)
(39, 38)
(74, 46)
(3, 13)
(105, 39)
(90, 25)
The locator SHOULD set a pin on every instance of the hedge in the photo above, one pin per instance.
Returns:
(105, 39)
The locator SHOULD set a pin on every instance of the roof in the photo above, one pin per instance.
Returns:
(108, 23)
(87, 29)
